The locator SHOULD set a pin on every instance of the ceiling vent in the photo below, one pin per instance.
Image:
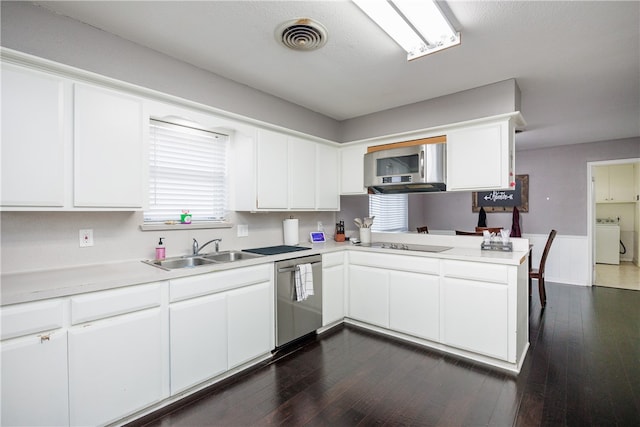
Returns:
(302, 34)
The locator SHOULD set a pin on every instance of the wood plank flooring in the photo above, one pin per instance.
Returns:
(583, 369)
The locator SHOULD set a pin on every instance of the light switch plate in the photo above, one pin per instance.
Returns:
(243, 230)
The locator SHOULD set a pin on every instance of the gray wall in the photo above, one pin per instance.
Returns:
(493, 99)
(557, 191)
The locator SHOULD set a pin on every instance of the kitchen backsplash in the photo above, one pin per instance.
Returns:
(45, 240)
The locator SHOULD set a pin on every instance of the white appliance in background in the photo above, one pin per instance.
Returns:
(607, 241)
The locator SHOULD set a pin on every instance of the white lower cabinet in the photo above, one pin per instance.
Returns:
(34, 381)
(115, 367)
(250, 322)
(470, 308)
(219, 321)
(414, 304)
(34, 364)
(117, 361)
(369, 295)
(333, 285)
(476, 308)
(198, 330)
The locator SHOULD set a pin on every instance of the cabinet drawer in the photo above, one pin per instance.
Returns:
(416, 264)
(24, 319)
(99, 305)
(190, 287)
(476, 271)
(330, 260)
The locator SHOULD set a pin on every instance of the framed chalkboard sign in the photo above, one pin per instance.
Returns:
(504, 200)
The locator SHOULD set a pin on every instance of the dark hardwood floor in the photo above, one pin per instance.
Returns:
(583, 369)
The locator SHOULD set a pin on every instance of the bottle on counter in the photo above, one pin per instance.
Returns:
(160, 250)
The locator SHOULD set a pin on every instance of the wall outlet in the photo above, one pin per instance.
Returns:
(86, 238)
(243, 230)
(320, 226)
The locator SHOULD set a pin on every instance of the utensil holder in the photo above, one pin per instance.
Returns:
(365, 235)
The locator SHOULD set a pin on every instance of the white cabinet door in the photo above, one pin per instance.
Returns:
(327, 178)
(614, 183)
(198, 336)
(115, 367)
(290, 173)
(332, 294)
(480, 157)
(414, 304)
(32, 139)
(250, 322)
(302, 174)
(108, 149)
(352, 169)
(476, 316)
(272, 175)
(369, 295)
(621, 185)
(34, 381)
(601, 177)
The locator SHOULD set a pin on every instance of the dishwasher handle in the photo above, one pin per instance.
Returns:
(290, 269)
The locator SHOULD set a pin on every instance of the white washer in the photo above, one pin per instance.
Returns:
(607, 243)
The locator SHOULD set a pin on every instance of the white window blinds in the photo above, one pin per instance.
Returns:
(391, 212)
(187, 171)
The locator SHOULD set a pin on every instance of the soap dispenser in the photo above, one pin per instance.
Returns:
(160, 250)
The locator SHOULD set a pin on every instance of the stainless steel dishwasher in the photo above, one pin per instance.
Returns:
(294, 319)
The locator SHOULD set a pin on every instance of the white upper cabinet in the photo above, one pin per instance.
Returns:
(480, 156)
(108, 149)
(327, 178)
(352, 169)
(277, 172)
(33, 135)
(302, 174)
(615, 183)
(69, 146)
(272, 170)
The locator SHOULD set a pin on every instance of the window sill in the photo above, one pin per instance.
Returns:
(157, 226)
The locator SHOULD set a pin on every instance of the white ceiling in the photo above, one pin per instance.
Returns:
(577, 63)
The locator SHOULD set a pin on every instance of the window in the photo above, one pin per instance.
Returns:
(390, 211)
(187, 171)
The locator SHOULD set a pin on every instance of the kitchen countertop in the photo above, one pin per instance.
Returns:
(54, 283)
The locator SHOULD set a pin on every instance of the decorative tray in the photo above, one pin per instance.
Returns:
(497, 246)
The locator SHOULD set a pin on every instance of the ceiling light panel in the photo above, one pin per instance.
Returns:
(418, 26)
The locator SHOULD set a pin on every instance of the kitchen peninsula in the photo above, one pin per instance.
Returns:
(463, 301)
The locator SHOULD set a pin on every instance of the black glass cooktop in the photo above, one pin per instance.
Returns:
(275, 250)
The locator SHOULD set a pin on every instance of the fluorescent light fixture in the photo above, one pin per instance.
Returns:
(418, 26)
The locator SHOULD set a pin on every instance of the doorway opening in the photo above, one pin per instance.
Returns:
(614, 223)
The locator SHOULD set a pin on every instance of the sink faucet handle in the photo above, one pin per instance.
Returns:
(195, 247)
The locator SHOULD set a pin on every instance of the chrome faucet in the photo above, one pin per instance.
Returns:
(197, 248)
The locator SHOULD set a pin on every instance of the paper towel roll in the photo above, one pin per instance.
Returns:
(290, 227)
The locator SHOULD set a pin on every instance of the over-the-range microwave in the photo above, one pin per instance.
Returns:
(407, 169)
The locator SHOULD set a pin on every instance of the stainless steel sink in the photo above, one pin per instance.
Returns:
(200, 260)
(230, 256)
(179, 262)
